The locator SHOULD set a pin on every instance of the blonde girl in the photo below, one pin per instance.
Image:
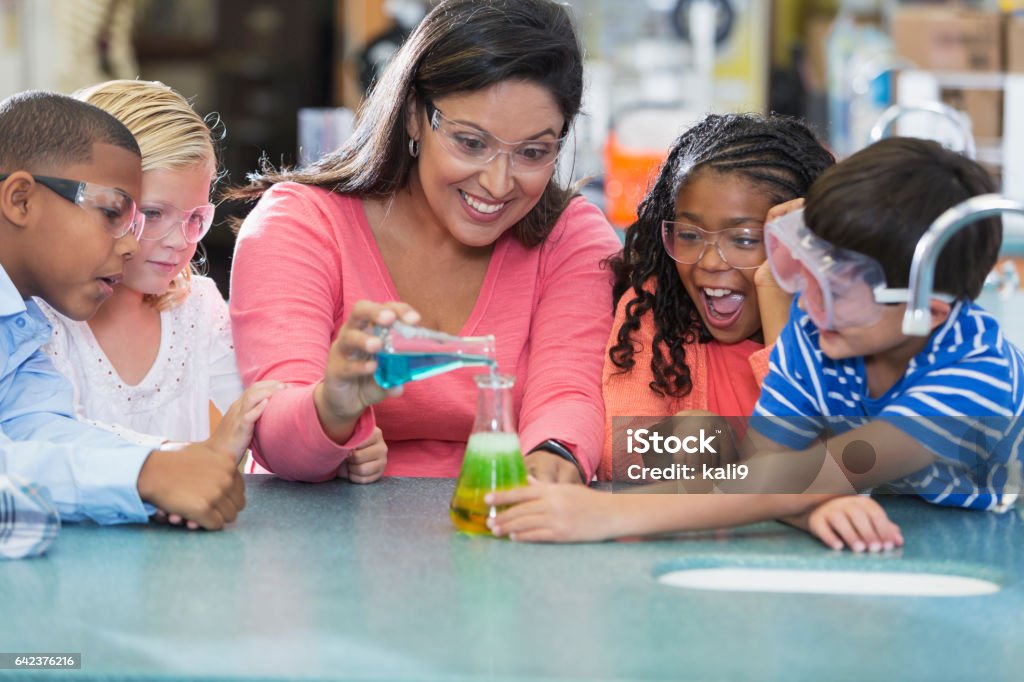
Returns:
(158, 357)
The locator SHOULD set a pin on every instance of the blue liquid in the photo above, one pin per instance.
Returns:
(394, 370)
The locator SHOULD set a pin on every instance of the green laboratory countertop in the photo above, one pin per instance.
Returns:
(346, 582)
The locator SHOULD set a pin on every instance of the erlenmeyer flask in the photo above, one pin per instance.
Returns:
(493, 460)
(412, 353)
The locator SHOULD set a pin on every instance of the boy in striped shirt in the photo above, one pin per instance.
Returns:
(850, 402)
(939, 416)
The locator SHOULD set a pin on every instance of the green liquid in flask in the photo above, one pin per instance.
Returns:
(493, 462)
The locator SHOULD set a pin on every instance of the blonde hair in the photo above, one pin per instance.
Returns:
(171, 135)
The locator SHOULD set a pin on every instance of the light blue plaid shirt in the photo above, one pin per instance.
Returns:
(90, 473)
(28, 520)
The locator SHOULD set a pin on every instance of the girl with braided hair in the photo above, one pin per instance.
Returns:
(696, 312)
(694, 296)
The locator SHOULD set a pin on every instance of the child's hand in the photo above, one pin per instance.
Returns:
(550, 468)
(779, 210)
(552, 512)
(366, 463)
(234, 432)
(763, 277)
(772, 302)
(854, 520)
(196, 483)
(764, 280)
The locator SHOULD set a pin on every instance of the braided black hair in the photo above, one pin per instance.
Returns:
(779, 153)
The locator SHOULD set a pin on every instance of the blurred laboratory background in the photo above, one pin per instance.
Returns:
(286, 76)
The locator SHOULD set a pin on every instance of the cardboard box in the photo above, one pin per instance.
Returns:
(1015, 44)
(949, 38)
(984, 107)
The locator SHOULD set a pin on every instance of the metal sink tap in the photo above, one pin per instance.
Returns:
(917, 321)
(896, 111)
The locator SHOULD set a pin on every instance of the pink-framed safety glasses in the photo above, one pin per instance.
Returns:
(840, 288)
(162, 218)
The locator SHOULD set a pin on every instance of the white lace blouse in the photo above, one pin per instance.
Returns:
(194, 366)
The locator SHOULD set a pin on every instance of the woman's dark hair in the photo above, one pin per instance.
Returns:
(460, 46)
(882, 199)
(780, 154)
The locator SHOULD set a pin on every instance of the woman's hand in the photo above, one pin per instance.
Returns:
(348, 386)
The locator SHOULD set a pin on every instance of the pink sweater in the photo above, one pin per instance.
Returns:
(304, 256)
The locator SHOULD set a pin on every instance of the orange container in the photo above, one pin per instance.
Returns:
(629, 173)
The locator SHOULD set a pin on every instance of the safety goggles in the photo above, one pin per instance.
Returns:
(114, 208)
(739, 247)
(840, 288)
(479, 148)
(163, 218)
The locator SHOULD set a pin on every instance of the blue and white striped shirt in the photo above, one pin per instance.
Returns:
(962, 397)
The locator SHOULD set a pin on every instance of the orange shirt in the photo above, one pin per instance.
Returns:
(726, 380)
(733, 384)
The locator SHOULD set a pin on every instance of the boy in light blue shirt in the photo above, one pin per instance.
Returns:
(69, 175)
(939, 416)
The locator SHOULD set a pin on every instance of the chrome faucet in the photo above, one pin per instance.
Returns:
(876, 65)
(896, 111)
(917, 321)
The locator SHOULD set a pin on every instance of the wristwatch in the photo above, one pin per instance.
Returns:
(556, 448)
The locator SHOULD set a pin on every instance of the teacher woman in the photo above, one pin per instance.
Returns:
(442, 209)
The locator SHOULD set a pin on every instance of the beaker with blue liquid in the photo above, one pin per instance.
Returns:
(410, 353)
